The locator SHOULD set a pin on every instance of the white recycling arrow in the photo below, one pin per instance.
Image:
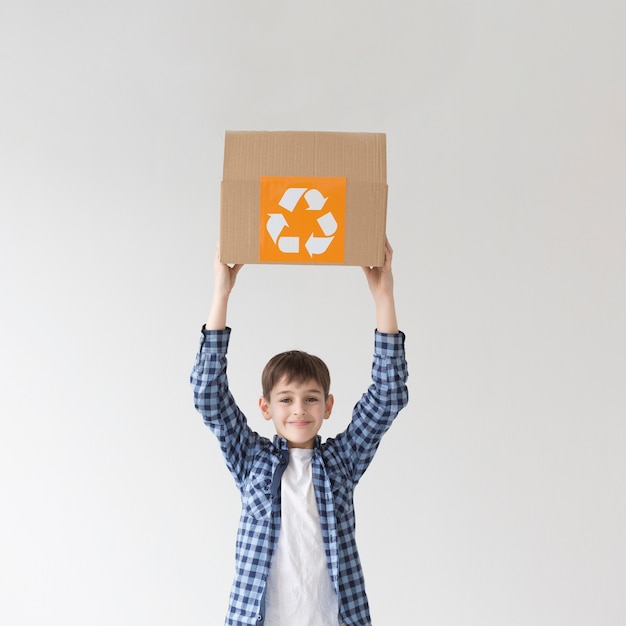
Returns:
(289, 244)
(317, 245)
(275, 225)
(291, 197)
(315, 200)
(328, 224)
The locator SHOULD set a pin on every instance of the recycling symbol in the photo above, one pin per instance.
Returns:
(318, 239)
(302, 219)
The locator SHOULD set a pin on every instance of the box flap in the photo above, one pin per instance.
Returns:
(357, 156)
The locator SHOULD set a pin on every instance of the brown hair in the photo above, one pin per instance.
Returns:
(296, 366)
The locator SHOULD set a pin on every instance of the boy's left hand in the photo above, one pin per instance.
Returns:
(380, 282)
(380, 279)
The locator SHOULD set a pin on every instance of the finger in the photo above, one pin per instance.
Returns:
(388, 253)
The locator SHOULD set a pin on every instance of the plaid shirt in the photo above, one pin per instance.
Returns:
(257, 465)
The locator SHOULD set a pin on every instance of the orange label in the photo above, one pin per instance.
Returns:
(303, 219)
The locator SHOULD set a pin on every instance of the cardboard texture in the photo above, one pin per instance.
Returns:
(303, 197)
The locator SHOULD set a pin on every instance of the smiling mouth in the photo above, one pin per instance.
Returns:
(302, 423)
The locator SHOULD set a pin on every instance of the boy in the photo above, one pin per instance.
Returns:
(296, 558)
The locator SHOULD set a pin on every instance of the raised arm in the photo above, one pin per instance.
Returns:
(380, 282)
(223, 283)
(209, 380)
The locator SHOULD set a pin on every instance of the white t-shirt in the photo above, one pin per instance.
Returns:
(299, 589)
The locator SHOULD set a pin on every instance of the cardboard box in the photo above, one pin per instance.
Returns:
(304, 197)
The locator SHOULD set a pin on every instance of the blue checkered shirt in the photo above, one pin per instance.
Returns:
(257, 465)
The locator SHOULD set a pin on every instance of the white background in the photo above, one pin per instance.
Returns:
(498, 497)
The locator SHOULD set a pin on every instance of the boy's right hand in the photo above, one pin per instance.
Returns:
(224, 277)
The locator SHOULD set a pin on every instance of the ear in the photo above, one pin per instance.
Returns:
(264, 405)
(330, 401)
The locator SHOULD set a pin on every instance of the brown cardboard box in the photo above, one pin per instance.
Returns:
(303, 197)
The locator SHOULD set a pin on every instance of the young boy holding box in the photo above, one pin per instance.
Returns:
(297, 562)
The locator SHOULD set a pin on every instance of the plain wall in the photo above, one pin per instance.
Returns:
(499, 495)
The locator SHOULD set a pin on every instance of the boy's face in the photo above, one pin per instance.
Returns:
(297, 410)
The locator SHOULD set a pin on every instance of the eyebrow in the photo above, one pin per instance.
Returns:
(288, 391)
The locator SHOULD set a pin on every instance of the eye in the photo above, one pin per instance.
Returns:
(312, 399)
(285, 400)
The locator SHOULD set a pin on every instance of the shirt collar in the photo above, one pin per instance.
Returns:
(280, 443)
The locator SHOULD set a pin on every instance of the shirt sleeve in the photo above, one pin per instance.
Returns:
(378, 407)
(213, 400)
